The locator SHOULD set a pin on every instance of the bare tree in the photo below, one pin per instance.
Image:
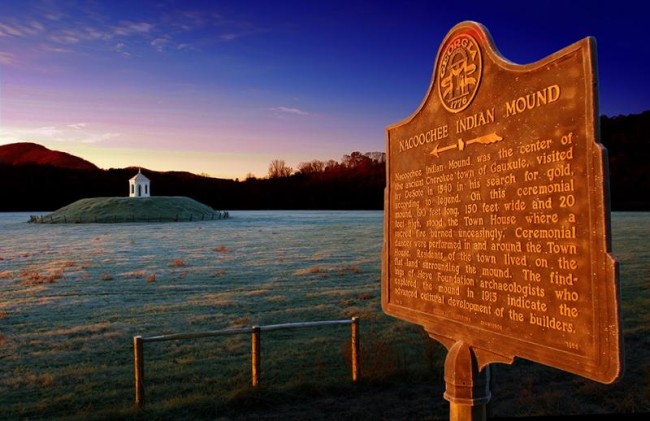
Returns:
(311, 167)
(278, 168)
(356, 160)
(377, 157)
(331, 165)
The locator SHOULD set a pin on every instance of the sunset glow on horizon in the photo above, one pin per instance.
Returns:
(222, 88)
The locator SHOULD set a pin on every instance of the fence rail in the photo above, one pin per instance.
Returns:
(255, 331)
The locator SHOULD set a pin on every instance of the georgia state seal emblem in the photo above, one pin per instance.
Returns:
(459, 72)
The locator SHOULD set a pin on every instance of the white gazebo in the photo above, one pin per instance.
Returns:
(139, 186)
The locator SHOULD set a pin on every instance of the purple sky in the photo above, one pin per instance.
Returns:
(224, 87)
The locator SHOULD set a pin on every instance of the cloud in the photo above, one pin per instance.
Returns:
(91, 33)
(78, 125)
(15, 29)
(33, 134)
(7, 59)
(7, 30)
(71, 133)
(36, 27)
(48, 131)
(75, 36)
(189, 20)
(66, 37)
(289, 110)
(229, 29)
(120, 48)
(228, 37)
(56, 49)
(99, 137)
(57, 29)
(99, 33)
(54, 16)
(130, 28)
(184, 47)
(160, 43)
(241, 31)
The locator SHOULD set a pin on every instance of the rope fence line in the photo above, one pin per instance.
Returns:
(49, 219)
(255, 331)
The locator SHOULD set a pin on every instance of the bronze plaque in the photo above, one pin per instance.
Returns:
(497, 211)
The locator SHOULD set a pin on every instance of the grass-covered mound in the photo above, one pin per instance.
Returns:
(129, 209)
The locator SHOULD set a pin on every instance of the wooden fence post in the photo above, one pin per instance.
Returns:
(355, 349)
(138, 360)
(255, 355)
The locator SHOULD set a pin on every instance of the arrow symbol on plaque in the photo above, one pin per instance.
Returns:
(485, 140)
(436, 150)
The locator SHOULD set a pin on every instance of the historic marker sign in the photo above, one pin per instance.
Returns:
(496, 216)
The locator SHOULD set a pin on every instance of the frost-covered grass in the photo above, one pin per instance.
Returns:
(128, 209)
(73, 296)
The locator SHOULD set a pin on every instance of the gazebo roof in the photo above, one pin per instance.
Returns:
(139, 178)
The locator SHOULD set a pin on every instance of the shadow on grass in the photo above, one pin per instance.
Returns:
(402, 396)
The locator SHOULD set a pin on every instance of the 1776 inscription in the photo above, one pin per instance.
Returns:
(497, 229)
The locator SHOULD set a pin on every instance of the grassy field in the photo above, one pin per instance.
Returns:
(70, 306)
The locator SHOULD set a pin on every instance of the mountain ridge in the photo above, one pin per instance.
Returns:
(29, 153)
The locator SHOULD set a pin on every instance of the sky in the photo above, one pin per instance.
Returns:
(224, 87)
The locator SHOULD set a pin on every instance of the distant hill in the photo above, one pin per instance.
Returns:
(26, 153)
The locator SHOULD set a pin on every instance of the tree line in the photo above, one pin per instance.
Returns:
(356, 161)
(627, 139)
(356, 182)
